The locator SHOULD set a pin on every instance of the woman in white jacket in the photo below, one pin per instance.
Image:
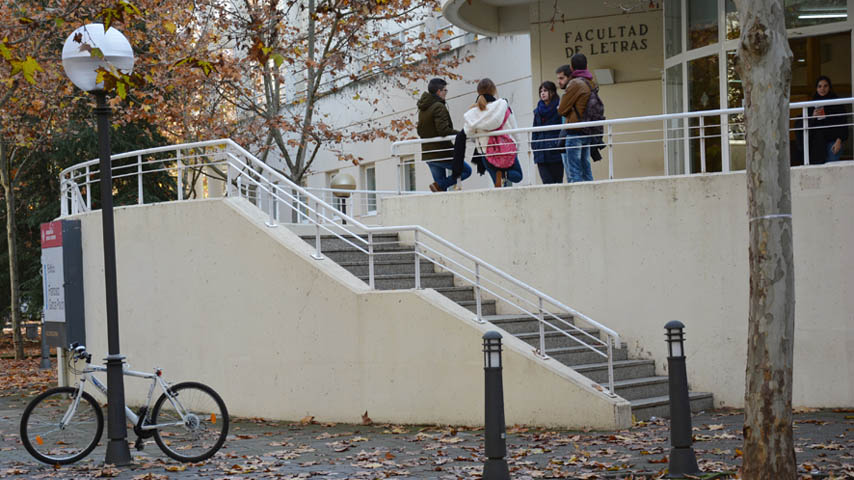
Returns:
(486, 115)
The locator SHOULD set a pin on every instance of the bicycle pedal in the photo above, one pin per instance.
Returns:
(139, 444)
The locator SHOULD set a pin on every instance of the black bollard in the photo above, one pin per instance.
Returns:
(495, 438)
(683, 461)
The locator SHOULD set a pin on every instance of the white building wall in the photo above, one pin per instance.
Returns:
(634, 254)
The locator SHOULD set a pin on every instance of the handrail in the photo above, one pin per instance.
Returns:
(244, 169)
(623, 121)
(676, 136)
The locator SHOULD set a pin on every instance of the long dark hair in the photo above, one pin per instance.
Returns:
(829, 84)
(549, 87)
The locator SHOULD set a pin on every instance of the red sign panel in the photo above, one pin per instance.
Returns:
(52, 234)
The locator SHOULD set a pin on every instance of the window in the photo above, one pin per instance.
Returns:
(733, 30)
(704, 94)
(803, 13)
(673, 27)
(675, 131)
(371, 184)
(702, 23)
(408, 174)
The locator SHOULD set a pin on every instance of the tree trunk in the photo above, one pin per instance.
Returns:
(12, 242)
(764, 65)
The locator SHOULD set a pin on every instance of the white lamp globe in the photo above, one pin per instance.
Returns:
(79, 64)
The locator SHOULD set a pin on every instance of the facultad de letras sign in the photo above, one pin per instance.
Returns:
(607, 39)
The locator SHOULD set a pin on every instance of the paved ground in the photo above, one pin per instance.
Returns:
(263, 449)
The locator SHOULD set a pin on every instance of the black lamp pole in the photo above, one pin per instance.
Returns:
(118, 452)
(495, 437)
(683, 461)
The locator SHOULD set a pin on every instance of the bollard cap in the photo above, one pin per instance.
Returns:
(674, 324)
(492, 335)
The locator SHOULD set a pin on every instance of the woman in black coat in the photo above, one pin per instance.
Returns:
(547, 146)
(827, 125)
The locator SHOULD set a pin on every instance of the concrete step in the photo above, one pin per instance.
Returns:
(572, 356)
(515, 323)
(333, 242)
(643, 387)
(402, 281)
(487, 307)
(623, 370)
(387, 267)
(556, 339)
(645, 408)
(457, 293)
(400, 254)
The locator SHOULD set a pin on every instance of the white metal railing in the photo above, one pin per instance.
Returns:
(684, 138)
(248, 177)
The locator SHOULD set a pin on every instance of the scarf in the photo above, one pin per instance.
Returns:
(489, 98)
(547, 110)
(582, 73)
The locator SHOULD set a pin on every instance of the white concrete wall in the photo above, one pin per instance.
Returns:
(634, 254)
(209, 294)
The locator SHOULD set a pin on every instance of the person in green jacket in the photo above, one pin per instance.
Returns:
(434, 120)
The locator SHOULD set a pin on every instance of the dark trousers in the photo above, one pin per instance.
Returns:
(551, 172)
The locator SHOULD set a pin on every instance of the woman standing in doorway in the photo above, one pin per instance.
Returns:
(546, 145)
(827, 125)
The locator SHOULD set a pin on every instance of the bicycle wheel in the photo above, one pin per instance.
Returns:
(200, 433)
(50, 442)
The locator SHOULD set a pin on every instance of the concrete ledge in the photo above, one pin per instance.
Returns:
(209, 293)
(635, 253)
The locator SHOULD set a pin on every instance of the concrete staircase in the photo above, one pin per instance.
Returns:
(394, 268)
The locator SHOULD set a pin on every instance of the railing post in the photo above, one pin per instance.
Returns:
(805, 117)
(229, 177)
(477, 297)
(371, 259)
(63, 195)
(417, 263)
(139, 199)
(610, 151)
(318, 254)
(88, 190)
(702, 144)
(542, 330)
(686, 144)
(611, 365)
(725, 162)
(271, 222)
(180, 180)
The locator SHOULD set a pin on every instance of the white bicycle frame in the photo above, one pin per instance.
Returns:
(156, 379)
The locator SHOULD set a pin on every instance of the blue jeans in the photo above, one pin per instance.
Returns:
(577, 159)
(441, 170)
(512, 174)
(832, 157)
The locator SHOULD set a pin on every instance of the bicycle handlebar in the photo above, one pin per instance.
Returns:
(80, 352)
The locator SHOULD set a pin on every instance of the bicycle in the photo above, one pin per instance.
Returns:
(189, 421)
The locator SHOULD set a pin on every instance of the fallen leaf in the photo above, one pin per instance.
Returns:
(366, 420)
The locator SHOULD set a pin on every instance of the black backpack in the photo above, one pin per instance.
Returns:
(594, 112)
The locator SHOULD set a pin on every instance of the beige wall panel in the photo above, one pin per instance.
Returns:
(634, 254)
(209, 294)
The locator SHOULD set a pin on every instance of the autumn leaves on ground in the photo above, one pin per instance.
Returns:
(311, 448)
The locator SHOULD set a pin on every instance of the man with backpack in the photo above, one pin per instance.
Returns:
(575, 106)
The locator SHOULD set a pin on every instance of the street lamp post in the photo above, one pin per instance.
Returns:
(113, 53)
